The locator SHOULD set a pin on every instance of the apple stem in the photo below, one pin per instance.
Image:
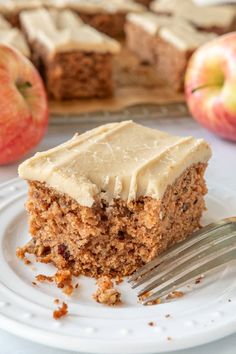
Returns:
(22, 87)
(202, 87)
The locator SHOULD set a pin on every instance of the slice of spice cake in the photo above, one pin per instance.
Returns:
(141, 34)
(74, 59)
(13, 37)
(166, 42)
(218, 19)
(110, 200)
(105, 15)
(176, 44)
(11, 9)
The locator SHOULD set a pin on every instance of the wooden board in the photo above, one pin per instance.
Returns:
(135, 84)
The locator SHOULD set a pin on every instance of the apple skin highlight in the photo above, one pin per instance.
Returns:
(210, 86)
(23, 105)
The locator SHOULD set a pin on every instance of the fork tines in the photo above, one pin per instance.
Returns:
(206, 249)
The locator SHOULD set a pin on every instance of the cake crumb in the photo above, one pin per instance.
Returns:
(56, 301)
(154, 302)
(42, 278)
(106, 293)
(61, 311)
(20, 253)
(151, 324)
(119, 280)
(34, 283)
(199, 279)
(44, 259)
(27, 261)
(167, 316)
(144, 296)
(175, 294)
(169, 338)
(62, 278)
(76, 286)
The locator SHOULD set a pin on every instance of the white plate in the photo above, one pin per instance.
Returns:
(205, 313)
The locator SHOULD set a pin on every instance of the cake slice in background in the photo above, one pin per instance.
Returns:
(110, 200)
(13, 37)
(167, 42)
(142, 34)
(105, 15)
(74, 59)
(218, 19)
(11, 9)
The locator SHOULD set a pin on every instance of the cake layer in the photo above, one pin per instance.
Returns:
(204, 17)
(64, 31)
(13, 37)
(77, 74)
(116, 161)
(175, 30)
(112, 239)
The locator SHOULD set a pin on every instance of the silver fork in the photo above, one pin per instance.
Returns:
(207, 248)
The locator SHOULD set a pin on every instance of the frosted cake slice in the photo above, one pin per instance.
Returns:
(110, 200)
(105, 15)
(74, 59)
(167, 42)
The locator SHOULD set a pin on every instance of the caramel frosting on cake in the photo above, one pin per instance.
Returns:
(61, 31)
(150, 22)
(184, 36)
(15, 6)
(12, 36)
(201, 16)
(118, 160)
(175, 30)
(100, 6)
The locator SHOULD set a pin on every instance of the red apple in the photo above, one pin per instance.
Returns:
(23, 105)
(210, 85)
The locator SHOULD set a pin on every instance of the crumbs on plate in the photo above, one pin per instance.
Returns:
(61, 311)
